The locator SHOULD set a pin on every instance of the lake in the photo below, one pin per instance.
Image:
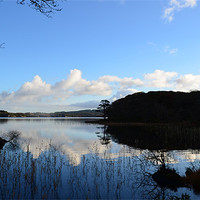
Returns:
(66, 158)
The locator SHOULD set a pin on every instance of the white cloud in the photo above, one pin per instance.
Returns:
(29, 92)
(177, 5)
(128, 82)
(160, 79)
(173, 51)
(166, 49)
(72, 79)
(93, 88)
(152, 44)
(76, 85)
(124, 82)
(37, 92)
(86, 104)
(122, 93)
(108, 78)
(170, 50)
(37, 95)
(33, 91)
(188, 82)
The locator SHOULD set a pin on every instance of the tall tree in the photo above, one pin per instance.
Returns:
(103, 107)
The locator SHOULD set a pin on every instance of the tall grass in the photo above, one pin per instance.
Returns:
(100, 175)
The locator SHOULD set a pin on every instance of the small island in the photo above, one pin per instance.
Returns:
(156, 107)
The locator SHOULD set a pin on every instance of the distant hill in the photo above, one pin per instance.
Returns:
(3, 113)
(161, 106)
(81, 113)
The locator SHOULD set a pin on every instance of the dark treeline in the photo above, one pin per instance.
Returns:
(161, 106)
(81, 113)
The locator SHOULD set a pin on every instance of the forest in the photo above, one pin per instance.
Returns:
(156, 107)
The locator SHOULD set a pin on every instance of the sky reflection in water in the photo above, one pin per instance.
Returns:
(60, 159)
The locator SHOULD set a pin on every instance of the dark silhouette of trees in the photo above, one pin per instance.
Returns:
(3, 113)
(153, 107)
(103, 107)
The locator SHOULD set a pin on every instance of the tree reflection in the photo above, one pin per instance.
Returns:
(52, 176)
(2, 121)
(156, 137)
(11, 139)
(103, 135)
(100, 174)
(158, 178)
(23, 177)
(2, 143)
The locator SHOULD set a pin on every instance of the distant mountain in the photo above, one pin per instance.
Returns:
(81, 113)
(161, 106)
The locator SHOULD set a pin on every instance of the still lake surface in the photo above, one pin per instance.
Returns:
(59, 158)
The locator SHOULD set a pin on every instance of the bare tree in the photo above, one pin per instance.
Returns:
(46, 7)
(2, 45)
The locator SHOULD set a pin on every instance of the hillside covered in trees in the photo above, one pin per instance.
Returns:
(157, 107)
(81, 113)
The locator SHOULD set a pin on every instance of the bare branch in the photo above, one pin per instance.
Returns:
(2, 45)
(46, 7)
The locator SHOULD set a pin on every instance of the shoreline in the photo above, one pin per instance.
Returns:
(112, 123)
(100, 121)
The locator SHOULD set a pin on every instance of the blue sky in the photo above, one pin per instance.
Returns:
(95, 50)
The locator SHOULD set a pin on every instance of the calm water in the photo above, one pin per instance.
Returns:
(70, 159)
